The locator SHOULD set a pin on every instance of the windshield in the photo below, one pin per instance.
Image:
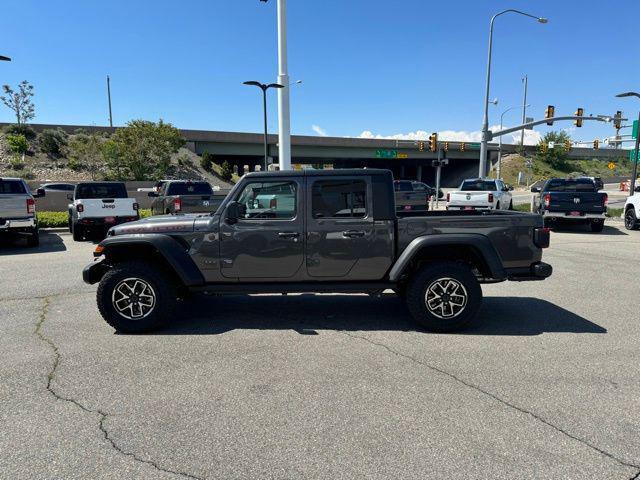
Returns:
(12, 186)
(578, 185)
(402, 186)
(101, 190)
(478, 186)
(189, 188)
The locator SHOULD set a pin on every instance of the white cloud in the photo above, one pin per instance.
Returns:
(531, 137)
(319, 130)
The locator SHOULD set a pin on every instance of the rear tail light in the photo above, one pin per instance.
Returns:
(80, 208)
(547, 200)
(31, 205)
(605, 200)
(177, 204)
(541, 237)
(273, 203)
(448, 197)
(491, 198)
(136, 207)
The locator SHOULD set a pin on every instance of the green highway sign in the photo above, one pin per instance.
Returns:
(474, 145)
(634, 132)
(631, 155)
(386, 154)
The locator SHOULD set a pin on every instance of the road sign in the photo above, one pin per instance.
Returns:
(551, 144)
(386, 154)
(611, 166)
(473, 145)
(402, 155)
(634, 132)
(528, 120)
(631, 155)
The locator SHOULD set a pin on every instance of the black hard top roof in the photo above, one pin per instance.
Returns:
(321, 173)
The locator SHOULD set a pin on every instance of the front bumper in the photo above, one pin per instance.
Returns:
(94, 272)
(566, 216)
(536, 271)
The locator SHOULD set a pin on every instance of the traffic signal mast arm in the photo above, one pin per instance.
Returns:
(493, 135)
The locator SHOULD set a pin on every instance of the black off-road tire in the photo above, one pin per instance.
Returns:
(630, 220)
(511, 205)
(77, 232)
(437, 273)
(164, 289)
(33, 240)
(597, 225)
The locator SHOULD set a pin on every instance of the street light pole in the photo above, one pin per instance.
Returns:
(4, 59)
(109, 99)
(632, 187)
(264, 89)
(284, 115)
(524, 110)
(485, 119)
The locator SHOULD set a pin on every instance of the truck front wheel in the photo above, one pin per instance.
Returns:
(135, 297)
(444, 296)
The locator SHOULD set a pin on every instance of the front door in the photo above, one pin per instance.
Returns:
(268, 242)
(340, 226)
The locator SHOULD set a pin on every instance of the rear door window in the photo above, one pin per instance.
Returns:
(15, 187)
(274, 200)
(101, 190)
(189, 188)
(339, 199)
(478, 186)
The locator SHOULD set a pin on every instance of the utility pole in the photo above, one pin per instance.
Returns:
(284, 115)
(525, 80)
(109, 99)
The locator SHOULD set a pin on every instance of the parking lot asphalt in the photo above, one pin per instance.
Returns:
(545, 385)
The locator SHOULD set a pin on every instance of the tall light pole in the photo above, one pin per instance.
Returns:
(632, 187)
(4, 59)
(485, 119)
(525, 80)
(284, 115)
(500, 139)
(109, 100)
(264, 88)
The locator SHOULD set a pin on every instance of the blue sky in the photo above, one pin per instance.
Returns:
(389, 68)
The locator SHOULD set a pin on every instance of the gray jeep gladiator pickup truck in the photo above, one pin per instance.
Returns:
(315, 231)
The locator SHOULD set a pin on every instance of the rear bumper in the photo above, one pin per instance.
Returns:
(536, 271)
(565, 216)
(101, 222)
(11, 224)
(470, 207)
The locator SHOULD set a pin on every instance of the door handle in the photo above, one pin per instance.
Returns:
(288, 234)
(353, 233)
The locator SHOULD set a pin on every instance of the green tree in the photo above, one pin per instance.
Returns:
(557, 156)
(53, 141)
(17, 144)
(20, 101)
(226, 171)
(142, 150)
(206, 161)
(85, 152)
(23, 129)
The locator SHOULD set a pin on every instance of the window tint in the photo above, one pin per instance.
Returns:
(101, 190)
(578, 185)
(12, 186)
(189, 188)
(339, 198)
(420, 187)
(269, 200)
(60, 187)
(400, 186)
(478, 186)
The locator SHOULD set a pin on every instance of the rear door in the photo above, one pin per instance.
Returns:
(340, 227)
(13, 199)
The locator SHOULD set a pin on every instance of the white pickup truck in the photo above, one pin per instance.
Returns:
(98, 206)
(632, 210)
(18, 210)
(481, 194)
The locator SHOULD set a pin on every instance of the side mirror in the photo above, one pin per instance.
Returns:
(40, 193)
(535, 189)
(235, 211)
(70, 196)
(510, 188)
(637, 189)
(152, 194)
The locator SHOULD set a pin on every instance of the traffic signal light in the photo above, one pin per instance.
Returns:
(596, 144)
(543, 147)
(579, 113)
(421, 146)
(567, 145)
(433, 142)
(462, 147)
(617, 120)
(549, 113)
(446, 146)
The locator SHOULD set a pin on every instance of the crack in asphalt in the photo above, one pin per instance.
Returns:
(498, 399)
(102, 415)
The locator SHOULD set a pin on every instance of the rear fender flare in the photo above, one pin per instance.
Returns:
(479, 243)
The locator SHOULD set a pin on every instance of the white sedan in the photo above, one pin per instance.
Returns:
(481, 194)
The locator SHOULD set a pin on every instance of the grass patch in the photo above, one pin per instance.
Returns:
(52, 219)
(145, 212)
(522, 207)
(614, 212)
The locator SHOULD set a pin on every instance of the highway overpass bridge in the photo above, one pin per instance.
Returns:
(246, 152)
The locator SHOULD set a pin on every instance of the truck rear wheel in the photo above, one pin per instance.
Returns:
(33, 240)
(597, 225)
(444, 296)
(135, 297)
(77, 231)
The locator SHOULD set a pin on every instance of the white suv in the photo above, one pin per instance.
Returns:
(632, 210)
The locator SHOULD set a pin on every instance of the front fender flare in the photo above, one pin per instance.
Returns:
(478, 242)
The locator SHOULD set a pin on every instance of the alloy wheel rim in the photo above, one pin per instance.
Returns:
(629, 219)
(133, 298)
(446, 298)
